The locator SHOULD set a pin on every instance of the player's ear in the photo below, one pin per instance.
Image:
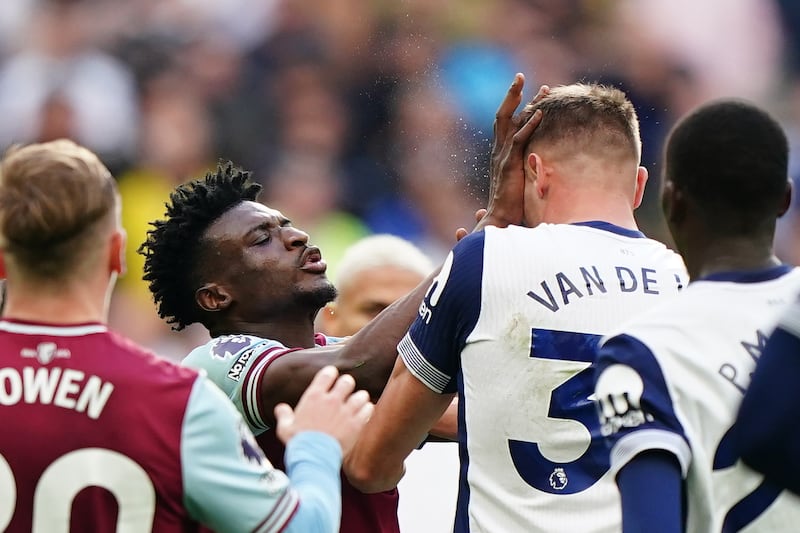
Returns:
(786, 201)
(641, 181)
(328, 319)
(116, 256)
(212, 297)
(535, 176)
(673, 203)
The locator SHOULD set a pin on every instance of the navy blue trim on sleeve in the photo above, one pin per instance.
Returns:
(632, 396)
(448, 314)
(767, 432)
(652, 493)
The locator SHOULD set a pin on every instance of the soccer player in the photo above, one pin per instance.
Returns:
(670, 381)
(242, 270)
(511, 324)
(766, 431)
(101, 435)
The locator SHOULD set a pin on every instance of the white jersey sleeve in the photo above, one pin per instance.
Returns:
(673, 379)
(431, 349)
(230, 486)
(635, 405)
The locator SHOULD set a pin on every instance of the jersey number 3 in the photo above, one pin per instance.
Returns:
(569, 401)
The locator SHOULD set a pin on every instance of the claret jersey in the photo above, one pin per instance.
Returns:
(673, 380)
(511, 323)
(100, 435)
(237, 363)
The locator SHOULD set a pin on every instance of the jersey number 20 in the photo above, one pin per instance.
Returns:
(65, 477)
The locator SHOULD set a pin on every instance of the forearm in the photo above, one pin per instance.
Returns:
(446, 428)
(313, 462)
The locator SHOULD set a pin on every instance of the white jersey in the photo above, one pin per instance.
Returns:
(512, 323)
(674, 381)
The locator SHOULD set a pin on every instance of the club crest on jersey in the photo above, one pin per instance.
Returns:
(224, 347)
(558, 479)
(45, 352)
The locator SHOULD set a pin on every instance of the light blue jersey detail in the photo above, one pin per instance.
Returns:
(308, 455)
(230, 486)
(236, 364)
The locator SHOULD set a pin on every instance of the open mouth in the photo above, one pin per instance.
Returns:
(311, 261)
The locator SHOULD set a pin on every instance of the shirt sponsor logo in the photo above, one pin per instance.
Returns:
(235, 372)
(619, 400)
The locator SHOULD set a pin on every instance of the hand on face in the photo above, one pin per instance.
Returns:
(328, 405)
(507, 175)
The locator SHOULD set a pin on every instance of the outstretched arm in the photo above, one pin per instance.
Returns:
(370, 354)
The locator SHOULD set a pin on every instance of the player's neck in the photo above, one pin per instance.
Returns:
(57, 305)
(728, 255)
(290, 333)
(583, 206)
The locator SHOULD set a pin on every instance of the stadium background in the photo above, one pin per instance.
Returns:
(362, 116)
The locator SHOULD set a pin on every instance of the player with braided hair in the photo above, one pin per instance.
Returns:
(252, 279)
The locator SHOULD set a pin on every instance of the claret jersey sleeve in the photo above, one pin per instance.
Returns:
(230, 486)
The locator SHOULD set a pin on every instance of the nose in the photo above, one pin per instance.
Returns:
(293, 237)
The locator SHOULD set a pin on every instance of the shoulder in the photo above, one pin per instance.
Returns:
(226, 359)
(150, 363)
(226, 349)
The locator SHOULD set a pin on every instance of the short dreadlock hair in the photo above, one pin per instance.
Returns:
(173, 247)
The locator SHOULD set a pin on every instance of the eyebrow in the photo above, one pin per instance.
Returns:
(268, 224)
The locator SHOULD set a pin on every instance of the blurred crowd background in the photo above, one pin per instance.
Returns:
(362, 116)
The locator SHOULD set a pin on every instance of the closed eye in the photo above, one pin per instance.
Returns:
(265, 231)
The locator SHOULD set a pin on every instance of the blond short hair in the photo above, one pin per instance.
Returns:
(381, 250)
(588, 118)
(54, 198)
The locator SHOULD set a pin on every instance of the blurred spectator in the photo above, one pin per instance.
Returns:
(175, 146)
(62, 64)
(433, 161)
(374, 108)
